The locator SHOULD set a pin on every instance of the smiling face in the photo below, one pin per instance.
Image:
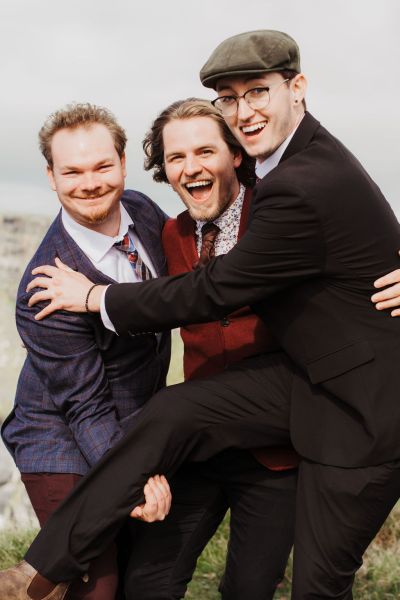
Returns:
(262, 131)
(200, 166)
(88, 176)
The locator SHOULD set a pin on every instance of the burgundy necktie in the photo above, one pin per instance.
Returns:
(141, 269)
(209, 232)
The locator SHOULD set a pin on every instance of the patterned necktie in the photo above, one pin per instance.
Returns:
(140, 268)
(209, 232)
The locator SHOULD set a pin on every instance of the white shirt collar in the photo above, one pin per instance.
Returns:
(94, 244)
(264, 167)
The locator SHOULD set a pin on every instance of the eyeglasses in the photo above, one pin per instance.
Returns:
(258, 97)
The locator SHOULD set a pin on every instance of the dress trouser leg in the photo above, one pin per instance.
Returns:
(46, 491)
(247, 406)
(164, 554)
(339, 512)
(262, 504)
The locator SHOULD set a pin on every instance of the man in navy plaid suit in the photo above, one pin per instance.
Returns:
(81, 385)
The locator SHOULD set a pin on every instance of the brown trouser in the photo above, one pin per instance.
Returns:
(46, 491)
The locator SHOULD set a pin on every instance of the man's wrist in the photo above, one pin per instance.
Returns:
(93, 299)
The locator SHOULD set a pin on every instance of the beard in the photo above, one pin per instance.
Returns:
(207, 214)
(97, 216)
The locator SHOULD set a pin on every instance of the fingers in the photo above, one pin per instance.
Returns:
(137, 512)
(157, 501)
(389, 279)
(387, 298)
(45, 270)
(62, 265)
(43, 282)
(388, 303)
(47, 310)
(39, 297)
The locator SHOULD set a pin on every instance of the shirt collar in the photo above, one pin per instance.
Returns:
(225, 216)
(264, 167)
(94, 244)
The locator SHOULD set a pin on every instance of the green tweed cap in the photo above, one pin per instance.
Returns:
(255, 52)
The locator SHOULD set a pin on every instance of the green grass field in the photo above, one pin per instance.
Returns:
(378, 579)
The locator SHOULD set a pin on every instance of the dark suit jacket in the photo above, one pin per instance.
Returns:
(319, 234)
(80, 382)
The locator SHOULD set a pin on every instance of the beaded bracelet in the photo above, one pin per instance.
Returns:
(88, 294)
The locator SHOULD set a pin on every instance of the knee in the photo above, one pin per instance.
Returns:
(172, 406)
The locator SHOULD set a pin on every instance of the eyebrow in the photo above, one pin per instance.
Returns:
(98, 164)
(198, 149)
(246, 80)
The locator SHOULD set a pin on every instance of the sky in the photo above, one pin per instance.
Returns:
(135, 58)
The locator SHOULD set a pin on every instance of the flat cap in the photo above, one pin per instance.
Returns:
(258, 51)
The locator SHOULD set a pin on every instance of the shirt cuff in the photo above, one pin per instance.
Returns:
(103, 313)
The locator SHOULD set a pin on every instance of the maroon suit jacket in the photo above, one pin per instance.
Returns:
(210, 347)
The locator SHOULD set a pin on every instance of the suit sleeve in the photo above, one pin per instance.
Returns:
(282, 247)
(63, 351)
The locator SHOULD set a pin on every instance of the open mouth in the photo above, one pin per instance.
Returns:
(199, 190)
(254, 129)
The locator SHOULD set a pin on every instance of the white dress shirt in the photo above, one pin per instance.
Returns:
(99, 249)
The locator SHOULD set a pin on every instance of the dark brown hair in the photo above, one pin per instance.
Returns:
(153, 144)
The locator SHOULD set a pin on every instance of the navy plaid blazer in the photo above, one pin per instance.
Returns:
(81, 384)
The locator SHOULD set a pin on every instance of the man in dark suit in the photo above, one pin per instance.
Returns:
(81, 385)
(320, 233)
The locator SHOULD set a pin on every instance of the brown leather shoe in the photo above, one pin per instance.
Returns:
(14, 584)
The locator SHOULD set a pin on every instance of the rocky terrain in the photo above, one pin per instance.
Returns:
(19, 237)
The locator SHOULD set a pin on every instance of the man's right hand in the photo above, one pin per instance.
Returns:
(158, 499)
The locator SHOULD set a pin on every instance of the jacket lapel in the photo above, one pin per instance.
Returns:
(146, 236)
(302, 137)
(71, 254)
(245, 212)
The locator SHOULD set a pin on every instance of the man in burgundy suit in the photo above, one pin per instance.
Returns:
(196, 141)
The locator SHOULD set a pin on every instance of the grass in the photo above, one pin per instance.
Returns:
(378, 579)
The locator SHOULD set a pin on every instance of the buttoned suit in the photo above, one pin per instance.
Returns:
(320, 233)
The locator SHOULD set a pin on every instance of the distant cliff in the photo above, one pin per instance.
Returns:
(19, 237)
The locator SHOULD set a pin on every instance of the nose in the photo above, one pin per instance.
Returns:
(192, 166)
(244, 111)
(90, 182)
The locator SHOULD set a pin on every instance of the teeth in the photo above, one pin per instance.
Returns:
(250, 128)
(195, 184)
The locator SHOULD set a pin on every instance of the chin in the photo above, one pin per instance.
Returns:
(97, 217)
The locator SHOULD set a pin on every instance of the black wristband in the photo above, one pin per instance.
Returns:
(88, 294)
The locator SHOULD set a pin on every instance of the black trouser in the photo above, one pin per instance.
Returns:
(262, 504)
(246, 406)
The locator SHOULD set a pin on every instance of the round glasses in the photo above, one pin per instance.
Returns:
(258, 97)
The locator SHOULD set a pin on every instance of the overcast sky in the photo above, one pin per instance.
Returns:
(136, 57)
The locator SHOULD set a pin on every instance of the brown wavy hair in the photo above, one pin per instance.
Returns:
(80, 115)
(153, 144)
